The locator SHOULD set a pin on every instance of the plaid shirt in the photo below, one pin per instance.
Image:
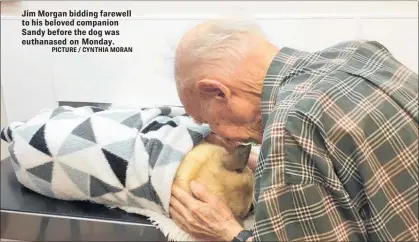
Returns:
(339, 157)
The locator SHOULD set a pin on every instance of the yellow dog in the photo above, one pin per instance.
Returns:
(224, 173)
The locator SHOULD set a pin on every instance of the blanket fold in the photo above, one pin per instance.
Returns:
(124, 158)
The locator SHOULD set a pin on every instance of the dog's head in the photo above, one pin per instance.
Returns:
(232, 173)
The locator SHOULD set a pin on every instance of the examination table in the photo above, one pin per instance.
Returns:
(28, 216)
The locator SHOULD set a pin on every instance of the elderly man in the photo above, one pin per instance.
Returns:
(338, 130)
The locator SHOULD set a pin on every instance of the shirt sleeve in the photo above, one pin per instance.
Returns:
(301, 197)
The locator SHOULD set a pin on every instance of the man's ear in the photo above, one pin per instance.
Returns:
(212, 88)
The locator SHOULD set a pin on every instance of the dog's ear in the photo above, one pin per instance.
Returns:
(241, 155)
(237, 160)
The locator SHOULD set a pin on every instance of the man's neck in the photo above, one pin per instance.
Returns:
(269, 53)
(255, 67)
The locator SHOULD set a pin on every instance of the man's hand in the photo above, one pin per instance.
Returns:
(253, 161)
(209, 218)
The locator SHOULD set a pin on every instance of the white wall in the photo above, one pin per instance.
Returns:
(4, 151)
(33, 78)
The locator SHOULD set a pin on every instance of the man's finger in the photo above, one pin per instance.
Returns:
(202, 193)
(252, 163)
(179, 207)
(178, 219)
(183, 197)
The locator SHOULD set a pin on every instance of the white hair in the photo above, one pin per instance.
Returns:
(223, 33)
(222, 40)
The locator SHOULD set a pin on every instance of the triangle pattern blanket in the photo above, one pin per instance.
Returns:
(124, 158)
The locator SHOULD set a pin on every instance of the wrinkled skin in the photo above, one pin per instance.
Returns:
(207, 218)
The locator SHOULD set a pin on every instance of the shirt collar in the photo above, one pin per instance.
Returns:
(282, 67)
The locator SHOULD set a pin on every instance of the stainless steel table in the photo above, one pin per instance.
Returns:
(28, 216)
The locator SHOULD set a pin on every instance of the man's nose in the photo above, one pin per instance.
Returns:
(232, 145)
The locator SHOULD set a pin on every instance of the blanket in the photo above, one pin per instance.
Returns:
(121, 158)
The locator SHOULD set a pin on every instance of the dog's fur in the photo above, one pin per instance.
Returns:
(216, 168)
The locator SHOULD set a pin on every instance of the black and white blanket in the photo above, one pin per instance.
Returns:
(124, 158)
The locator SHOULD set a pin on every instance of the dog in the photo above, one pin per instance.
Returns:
(224, 173)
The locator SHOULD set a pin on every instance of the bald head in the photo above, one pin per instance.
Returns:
(213, 46)
(220, 65)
